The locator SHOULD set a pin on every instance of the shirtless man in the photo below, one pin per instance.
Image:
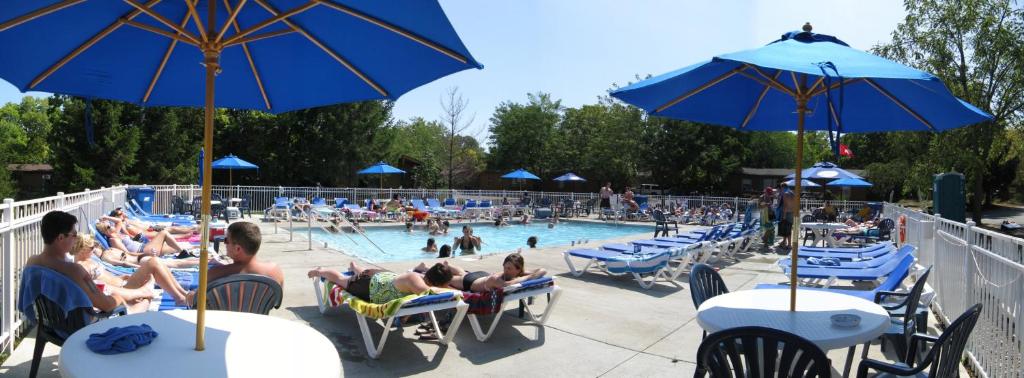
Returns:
(242, 243)
(59, 237)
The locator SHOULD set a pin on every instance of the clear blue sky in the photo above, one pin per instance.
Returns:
(576, 49)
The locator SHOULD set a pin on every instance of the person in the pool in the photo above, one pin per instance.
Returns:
(513, 272)
(431, 246)
(468, 242)
(526, 219)
(531, 242)
(445, 252)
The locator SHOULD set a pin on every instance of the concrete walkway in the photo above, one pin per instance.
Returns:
(602, 326)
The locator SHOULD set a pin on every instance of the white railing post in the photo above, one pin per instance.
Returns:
(8, 277)
(967, 264)
(309, 230)
(60, 200)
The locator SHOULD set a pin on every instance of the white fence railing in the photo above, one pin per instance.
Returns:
(972, 265)
(19, 232)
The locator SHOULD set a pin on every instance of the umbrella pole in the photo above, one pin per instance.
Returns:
(801, 109)
(211, 57)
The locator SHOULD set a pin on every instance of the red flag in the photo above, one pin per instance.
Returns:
(845, 151)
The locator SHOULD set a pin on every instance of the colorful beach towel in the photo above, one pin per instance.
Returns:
(336, 296)
(485, 303)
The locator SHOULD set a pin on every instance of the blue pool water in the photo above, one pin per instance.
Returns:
(399, 245)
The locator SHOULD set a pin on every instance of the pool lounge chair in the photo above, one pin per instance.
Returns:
(891, 283)
(280, 208)
(844, 264)
(657, 262)
(134, 207)
(360, 213)
(873, 252)
(329, 295)
(435, 206)
(518, 293)
(833, 274)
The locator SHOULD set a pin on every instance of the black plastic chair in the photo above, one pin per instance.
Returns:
(662, 223)
(808, 233)
(885, 227)
(943, 360)
(760, 352)
(252, 293)
(705, 283)
(54, 326)
(244, 207)
(905, 312)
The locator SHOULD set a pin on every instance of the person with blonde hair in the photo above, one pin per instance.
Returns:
(136, 288)
(161, 244)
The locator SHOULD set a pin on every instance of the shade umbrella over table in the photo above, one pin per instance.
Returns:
(380, 169)
(831, 87)
(268, 55)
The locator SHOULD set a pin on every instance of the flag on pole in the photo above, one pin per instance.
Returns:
(844, 150)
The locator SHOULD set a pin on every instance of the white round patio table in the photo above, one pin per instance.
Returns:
(811, 320)
(823, 231)
(237, 345)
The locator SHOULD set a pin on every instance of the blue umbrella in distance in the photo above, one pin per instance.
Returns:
(851, 183)
(268, 55)
(803, 81)
(381, 169)
(520, 174)
(231, 163)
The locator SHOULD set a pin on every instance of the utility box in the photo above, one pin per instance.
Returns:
(948, 197)
(143, 195)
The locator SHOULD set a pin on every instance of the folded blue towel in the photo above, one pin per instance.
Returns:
(121, 339)
(824, 261)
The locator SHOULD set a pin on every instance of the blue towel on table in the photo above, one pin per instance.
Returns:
(121, 339)
(823, 261)
(37, 280)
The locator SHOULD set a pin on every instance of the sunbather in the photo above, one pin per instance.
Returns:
(162, 243)
(513, 272)
(468, 242)
(59, 236)
(381, 286)
(136, 288)
(627, 199)
(134, 227)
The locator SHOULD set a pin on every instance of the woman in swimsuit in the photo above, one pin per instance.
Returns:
(136, 288)
(381, 286)
(134, 227)
(162, 243)
(513, 272)
(467, 241)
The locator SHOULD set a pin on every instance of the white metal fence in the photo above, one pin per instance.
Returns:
(19, 232)
(972, 265)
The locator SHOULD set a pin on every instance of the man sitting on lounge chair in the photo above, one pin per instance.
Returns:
(242, 242)
(381, 286)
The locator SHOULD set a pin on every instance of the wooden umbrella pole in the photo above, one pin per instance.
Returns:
(801, 109)
(211, 57)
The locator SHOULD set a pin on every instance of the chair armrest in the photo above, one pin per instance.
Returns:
(897, 369)
(882, 294)
(917, 338)
(120, 310)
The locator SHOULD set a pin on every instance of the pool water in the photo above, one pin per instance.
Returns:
(398, 245)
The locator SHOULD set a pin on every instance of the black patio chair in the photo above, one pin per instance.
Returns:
(663, 224)
(705, 283)
(904, 313)
(942, 360)
(808, 233)
(252, 293)
(885, 227)
(244, 206)
(760, 352)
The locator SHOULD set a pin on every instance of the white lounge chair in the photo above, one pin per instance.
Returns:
(655, 262)
(515, 293)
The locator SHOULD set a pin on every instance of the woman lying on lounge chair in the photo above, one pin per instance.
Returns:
(134, 227)
(513, 272)
(162, 243)
(381, 286)
(137, 288)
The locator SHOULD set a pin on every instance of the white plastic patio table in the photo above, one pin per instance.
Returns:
(823, 231)
(237, 345)
(812, 319)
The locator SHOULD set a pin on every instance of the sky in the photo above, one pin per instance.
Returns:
(577, 49)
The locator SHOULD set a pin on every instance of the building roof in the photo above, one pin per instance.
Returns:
(30, 167)
(782, 171)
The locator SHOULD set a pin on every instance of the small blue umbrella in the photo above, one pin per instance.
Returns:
(825, 171)
(268, 55)
(381, 168)
(803, 81)
(520, 174)
(231, 163)
(851, 182)
(569, 177)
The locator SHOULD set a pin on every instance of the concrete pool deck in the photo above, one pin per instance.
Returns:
(602, 326)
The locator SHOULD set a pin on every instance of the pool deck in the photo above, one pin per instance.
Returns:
(602, 326)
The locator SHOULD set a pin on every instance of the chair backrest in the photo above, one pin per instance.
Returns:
(56, 324)
(885, 228)
(946, 353)
(658, 215)
(319, 201)
(760, 352)
(449, 201)
(807, 219)
(433, 202)
(280, 201)
(913, 299)
(485, 203)
(352, 206)
(340, 202)
(253, 293)
(893, 280)
(705, 283)
(470, 203)
(545, 202)
(418, 204)
(245, 202)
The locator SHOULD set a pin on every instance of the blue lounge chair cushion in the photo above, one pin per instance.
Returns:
(430, 299)
(824, 261)
(121, 339)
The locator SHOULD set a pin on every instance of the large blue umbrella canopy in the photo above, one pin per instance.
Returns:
(803, 81)
(520, 174)
(231, 163)
(269, 55)
(381, 168)
(569, 177)
(804, 182)
(850, 182)
(825, 171)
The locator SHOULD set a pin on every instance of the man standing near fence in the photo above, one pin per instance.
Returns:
(606, 198)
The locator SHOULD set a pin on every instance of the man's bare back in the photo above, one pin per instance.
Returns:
(254, 266)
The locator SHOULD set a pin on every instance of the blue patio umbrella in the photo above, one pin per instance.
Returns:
(569, 177)
(851, 183)
(269, 55)
(804, 182)
(803, 81)
(231, 163)
(825, 171)
(520, 174)
(381, 169)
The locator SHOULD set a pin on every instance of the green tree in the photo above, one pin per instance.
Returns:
(976, 48)
(686, 156)
(111, 160)
(521, 134)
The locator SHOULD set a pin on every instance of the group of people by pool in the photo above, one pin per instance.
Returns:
(468, 242)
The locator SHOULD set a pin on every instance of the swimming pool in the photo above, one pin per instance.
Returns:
(398, 245)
